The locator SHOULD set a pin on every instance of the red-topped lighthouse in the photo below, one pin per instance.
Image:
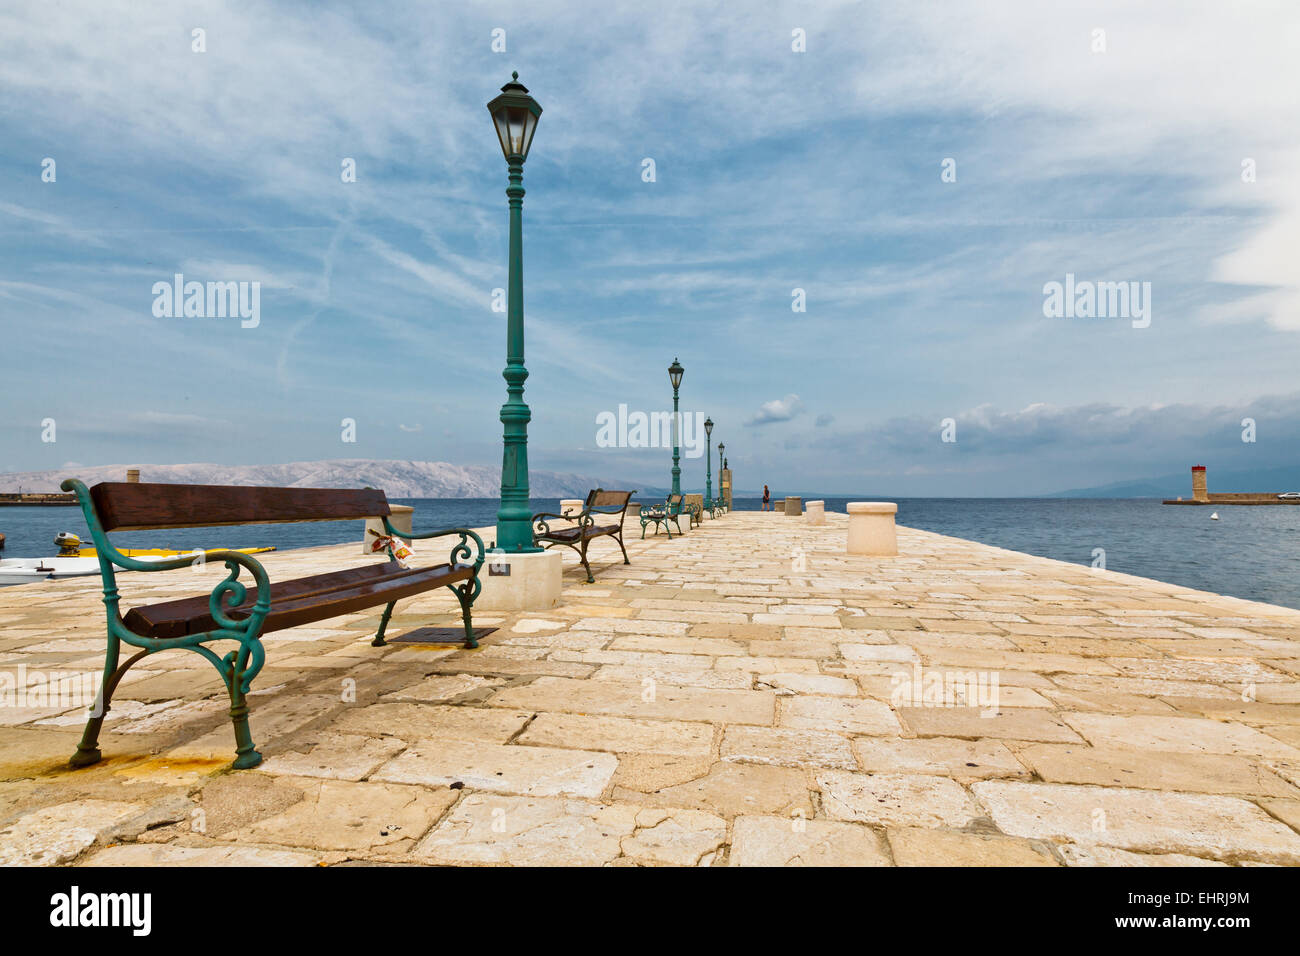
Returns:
(1200, 491)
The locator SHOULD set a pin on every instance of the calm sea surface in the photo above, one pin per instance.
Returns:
(1252, 552)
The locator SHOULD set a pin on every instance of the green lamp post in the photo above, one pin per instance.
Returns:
(515, 115)
(708, 465)
(675, 376)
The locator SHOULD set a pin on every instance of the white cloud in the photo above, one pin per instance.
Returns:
(777, 410)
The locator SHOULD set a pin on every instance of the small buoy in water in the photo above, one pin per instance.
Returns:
(1215, 516)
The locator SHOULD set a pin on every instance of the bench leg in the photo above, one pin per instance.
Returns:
(383, 626)
(466, 603)
(88, 749)
(583, 555)
(619, 539)
(246, 755)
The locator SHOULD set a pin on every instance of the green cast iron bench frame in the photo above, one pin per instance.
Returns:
(584, 528)
(671, 510)
(228, 613)
(695, 506)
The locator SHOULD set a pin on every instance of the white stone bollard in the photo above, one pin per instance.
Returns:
(571, 506)
(816, 512)
(400, 518)
(871, 527)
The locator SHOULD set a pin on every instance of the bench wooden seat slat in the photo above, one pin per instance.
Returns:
(301, 600)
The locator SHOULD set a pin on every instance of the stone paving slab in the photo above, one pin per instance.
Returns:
(716, 702)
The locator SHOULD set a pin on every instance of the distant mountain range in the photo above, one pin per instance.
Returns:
(1171, 486)
(399, 479)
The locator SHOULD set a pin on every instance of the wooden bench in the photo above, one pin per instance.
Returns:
(234, 612)
(695, 505)
(671, 510)
(584, 528)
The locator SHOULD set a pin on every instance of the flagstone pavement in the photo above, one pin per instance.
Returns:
(748, 694)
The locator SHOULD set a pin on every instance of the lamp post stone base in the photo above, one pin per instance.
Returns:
(520, 582)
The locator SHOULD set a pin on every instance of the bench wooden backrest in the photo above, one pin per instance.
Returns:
(608, 502)
(136, 506)
(674, 499)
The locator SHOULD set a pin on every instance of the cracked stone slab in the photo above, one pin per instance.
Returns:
(529, 831)
(531, 771)
(1177, 734)
(719, 680)
(1148, 770)
(163, 854)
(634, 700)
(410, 721)
(1025, 723)
(916, 846)
(946, 756)
(729, 789)
(787, 748)
(819, 684)
(675, 837)
(896, 799)
(1076, 855)
(376, 818)
(52, 836)
(619, 734)
(442, 687)
(794, 841)
(847, 715)
(1145, 821)
(336, 757)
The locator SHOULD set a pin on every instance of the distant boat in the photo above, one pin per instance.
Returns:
(26, 570)
(1215, 516)
(74, 561)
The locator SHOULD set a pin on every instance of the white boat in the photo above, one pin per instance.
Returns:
(1215, 516)
(73, 561)
(26, 570)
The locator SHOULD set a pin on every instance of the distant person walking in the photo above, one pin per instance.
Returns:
(767, 498)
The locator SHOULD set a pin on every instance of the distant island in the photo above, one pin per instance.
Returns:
(1171, 486)
(399, 479)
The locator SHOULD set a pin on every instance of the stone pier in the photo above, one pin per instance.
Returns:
(746, 695)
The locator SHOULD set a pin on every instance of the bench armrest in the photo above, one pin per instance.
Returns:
(461, 550)
(541, 524)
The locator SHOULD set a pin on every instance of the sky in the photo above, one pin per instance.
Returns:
(854, 212)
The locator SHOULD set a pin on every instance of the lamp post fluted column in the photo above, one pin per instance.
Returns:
(708, 465)
(514, 519)
(675, 376)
